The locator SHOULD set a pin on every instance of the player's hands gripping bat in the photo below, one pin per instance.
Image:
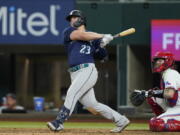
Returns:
(107, 38)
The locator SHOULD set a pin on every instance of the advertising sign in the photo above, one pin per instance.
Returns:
(165, 36)
(33, 21)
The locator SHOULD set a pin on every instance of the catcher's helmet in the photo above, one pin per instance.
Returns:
(76, 13)
(168, 61)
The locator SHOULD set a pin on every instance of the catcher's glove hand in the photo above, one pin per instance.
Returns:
(137, 97)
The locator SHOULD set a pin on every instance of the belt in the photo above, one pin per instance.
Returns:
(76, 68)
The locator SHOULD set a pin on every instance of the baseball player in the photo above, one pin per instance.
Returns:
(81, 46)
(165, 102)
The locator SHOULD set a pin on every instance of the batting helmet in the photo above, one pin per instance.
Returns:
(76, 13)
(168, 61)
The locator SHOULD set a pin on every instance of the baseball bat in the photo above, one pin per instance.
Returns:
(125, 33)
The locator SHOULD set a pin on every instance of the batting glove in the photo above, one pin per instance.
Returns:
(107, 38)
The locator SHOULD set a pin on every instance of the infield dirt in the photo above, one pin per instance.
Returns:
(43, 131)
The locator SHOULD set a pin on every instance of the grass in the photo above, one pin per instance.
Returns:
(10, 124)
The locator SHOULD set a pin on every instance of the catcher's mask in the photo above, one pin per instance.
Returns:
(168, 61)
(76, 13)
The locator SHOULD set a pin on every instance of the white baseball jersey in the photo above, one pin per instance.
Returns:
(171, 79)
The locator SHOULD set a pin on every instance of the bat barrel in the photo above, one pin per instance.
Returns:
(125, 33)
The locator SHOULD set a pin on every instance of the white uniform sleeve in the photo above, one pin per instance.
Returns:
(169, 79)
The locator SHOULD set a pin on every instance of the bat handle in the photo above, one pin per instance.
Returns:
(115, 36)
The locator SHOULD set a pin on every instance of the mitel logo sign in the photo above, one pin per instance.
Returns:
(15, 21)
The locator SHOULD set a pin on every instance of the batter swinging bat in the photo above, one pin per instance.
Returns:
(125, 33)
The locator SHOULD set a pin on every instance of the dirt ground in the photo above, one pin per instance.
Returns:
(25, 131)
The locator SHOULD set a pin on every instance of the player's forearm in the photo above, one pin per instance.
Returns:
(168, 93)
(91, 36)
(157, 93)
(85, 36)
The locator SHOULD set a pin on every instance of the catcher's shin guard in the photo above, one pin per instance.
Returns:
(154, 106)
(158, 125)
(172, 125)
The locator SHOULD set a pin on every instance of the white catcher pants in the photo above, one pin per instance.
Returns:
(81, 89)
(170, 112)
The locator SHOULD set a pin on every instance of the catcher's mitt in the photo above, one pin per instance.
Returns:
(137, 97)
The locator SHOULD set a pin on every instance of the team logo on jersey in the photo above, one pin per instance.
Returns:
(167, 83)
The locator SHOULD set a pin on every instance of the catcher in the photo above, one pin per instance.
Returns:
(165, 102)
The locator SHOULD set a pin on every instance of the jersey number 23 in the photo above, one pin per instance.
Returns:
(85, 49)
